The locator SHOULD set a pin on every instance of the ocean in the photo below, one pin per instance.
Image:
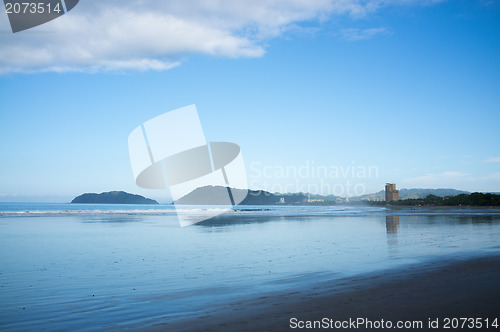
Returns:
(86, 266)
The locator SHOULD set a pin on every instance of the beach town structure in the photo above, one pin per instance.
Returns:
(391, 194)
(342, 200)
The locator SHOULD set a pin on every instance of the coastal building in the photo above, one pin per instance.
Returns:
(391, 194)
(342, 200)
(314, 200)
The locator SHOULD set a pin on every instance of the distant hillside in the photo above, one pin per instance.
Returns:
(411, 194)
(266, 198)
(378, 196)
(421, 193)
(208, 195)
(113, 197)
(213, 195)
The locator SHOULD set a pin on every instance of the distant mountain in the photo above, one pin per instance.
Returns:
(208, 195)
(113, 197)
(213, 195)
(378, 196)
(421, 193)
(411, 194)
(260, 197)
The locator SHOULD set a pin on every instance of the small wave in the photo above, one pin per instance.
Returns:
(194, 211)
(84, 212)
(199, 210)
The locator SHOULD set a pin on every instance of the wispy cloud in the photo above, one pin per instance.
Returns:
(493, 160)
(494, 177)
(159, 35)
(438, 180)
(487, 2)
(361, 34)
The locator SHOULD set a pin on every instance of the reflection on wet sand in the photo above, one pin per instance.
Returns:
(392, 224)
(392, 227)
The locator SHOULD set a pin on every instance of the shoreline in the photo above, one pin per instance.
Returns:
(433, 290)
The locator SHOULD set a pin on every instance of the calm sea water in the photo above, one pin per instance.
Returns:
(67, 266)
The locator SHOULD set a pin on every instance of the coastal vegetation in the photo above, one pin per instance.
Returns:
(474, 199)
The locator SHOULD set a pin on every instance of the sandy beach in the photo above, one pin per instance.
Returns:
(438, 291)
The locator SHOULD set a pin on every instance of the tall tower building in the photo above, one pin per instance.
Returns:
(391, 194)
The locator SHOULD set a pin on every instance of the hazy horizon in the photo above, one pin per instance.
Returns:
(166, 200)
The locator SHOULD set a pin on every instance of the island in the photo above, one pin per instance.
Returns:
(112, 197)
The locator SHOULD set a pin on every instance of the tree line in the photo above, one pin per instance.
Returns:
(474, 199)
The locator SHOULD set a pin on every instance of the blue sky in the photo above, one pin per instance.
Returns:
(409, 88)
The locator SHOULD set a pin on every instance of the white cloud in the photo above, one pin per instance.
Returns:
(158, 35)
(360, 34)
(493, 160)
(451, 174)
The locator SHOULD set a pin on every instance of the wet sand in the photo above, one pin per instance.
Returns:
(452, 288)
